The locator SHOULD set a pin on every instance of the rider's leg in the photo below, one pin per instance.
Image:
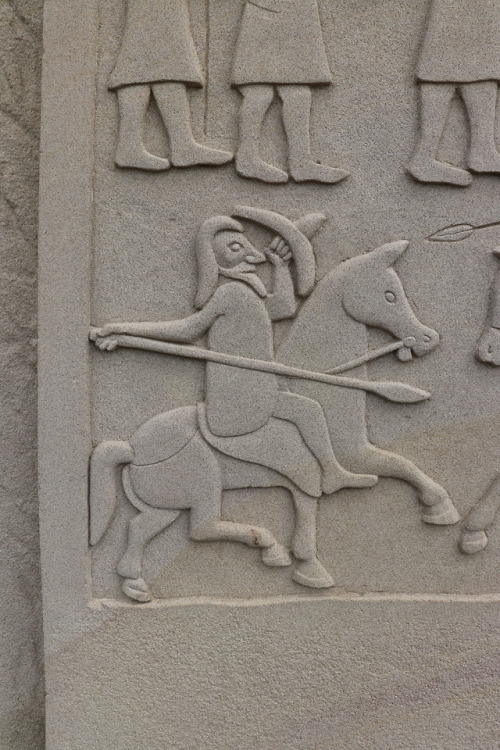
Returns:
(308, 416)
(173, 103)
(296, 121)
(256, 101)
(481, 102)
(133, 102)
(435, 100)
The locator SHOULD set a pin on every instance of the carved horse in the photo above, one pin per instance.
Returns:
(167, 466)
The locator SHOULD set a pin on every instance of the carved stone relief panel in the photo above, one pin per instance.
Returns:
(269, 337)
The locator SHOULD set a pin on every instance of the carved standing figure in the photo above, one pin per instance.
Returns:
(280, 47)
(158, 59)
(460, 51)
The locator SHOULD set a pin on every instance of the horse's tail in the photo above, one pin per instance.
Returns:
(103, 464)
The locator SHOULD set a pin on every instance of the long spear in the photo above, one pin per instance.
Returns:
(392, 391)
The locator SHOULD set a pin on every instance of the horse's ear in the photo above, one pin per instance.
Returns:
(496, 252)
(389, 254)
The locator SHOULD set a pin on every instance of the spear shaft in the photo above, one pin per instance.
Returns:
(393, 391)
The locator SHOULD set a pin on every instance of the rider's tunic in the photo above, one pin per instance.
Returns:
(157, 45)
(281, 41)
(240, 401)
(462, 42)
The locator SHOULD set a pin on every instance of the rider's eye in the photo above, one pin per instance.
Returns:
(390, 297)
(235, 247)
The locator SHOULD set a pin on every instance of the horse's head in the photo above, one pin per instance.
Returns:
(373, 294)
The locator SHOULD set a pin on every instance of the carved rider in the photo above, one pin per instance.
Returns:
(158, 59)
(237, 312)
(280, 46)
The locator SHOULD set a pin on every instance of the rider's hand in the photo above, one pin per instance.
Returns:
(279, 252)
(106, 343)
(107, 330)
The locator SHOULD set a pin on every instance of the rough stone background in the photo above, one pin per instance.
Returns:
(21, 672)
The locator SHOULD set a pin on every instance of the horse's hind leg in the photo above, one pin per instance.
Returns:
(141, 530)
(309, 571)
(206, 525)
(439, 508)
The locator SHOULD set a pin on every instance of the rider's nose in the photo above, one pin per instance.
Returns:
(256, 257)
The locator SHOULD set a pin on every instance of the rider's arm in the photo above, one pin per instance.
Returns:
(185, 330)
(281, 304)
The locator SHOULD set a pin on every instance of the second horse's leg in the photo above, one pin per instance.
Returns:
(480, 518)
(438, 509)
(309, 570)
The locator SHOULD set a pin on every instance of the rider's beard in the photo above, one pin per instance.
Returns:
(249, 278)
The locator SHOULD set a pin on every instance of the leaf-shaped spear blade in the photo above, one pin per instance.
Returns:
(455, 233)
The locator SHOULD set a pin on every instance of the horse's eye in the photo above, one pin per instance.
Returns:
(235, 247)
(390, 297)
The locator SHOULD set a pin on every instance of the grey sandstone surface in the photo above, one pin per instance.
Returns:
(161, 628)
(21, 661)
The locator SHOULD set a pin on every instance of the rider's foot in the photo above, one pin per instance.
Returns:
(335, 478)
(137, 589)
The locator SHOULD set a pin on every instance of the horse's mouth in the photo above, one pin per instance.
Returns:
(405, 353)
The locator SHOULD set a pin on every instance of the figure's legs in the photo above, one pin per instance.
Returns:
(173, 103)
(141, 530)
(481, 102)
(256, 101)
(435, 100)
(206, 525)
(133, 102)
(480, 518)
(439, 507)
(309, 571)
(296, 102)
(309, 418)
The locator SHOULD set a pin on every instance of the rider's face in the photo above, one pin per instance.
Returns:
(234, 251)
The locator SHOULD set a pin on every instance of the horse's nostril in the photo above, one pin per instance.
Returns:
(427, 339)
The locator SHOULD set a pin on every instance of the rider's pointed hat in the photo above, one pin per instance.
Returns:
(296, 235)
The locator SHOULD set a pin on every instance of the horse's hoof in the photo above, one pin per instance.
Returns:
(276, 556)
(137, 589)
(312, 573)
(443, 513)
(473, 541)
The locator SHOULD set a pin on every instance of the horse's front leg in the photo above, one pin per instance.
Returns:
(206, 525)
(309, 571)
(439, 508)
